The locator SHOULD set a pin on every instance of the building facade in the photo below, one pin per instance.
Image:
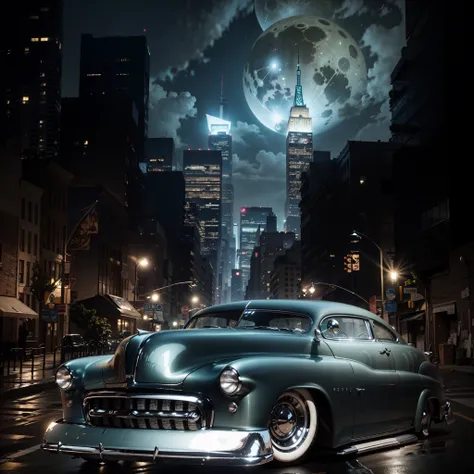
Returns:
(251, 220)
(203, 178)
(31, 63)
(237, 285)
(299, 154)
(159, 154)
(285, 280)
(118, 66)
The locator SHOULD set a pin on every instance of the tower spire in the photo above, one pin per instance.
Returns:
(221, 108)
(299, 88)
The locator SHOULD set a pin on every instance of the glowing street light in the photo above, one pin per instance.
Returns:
(394, 276)
(195, 299)
(143, 262)
(175, 323)
(155, 297)
(274, 66)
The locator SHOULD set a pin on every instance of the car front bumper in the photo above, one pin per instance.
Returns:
(221, 447)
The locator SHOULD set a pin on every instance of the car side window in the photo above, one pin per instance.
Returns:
(345, 327)
(382, 333)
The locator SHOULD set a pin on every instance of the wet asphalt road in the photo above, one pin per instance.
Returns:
(24, 420)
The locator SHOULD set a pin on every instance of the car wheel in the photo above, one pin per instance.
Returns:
(426, 421)
(293, 425)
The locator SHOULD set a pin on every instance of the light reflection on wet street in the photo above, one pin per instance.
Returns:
(23, 422)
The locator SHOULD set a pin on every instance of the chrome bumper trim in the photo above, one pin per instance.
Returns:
(191, 416)
(233, 448)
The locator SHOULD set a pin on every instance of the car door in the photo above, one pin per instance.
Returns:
(407, 361)
(376, 380)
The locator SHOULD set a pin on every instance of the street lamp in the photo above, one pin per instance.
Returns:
(356, 238)
(394, 276)
(142, 262)
(195, 299)
(155, 297)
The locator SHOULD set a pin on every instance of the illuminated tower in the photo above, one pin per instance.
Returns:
(221, 139)
(299, 153)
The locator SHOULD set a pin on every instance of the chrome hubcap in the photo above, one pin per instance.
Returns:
(289, 422)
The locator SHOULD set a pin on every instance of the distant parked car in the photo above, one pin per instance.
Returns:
(248, 382)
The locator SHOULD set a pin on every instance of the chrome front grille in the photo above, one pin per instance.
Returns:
(147, 411)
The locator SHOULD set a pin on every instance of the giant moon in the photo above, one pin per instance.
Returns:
(269, 12)
(333, 72)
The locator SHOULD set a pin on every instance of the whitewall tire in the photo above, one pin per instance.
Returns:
(293, 425)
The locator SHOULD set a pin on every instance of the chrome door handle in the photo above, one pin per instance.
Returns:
(385, 351)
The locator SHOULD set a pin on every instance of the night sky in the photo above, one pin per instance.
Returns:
(193, 42)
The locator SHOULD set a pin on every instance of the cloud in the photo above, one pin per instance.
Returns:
(268, 166)
(197, 38)
(379, 128)
(384, 45)
(267, 173)
(168, 110)
(242, 130)
(350, 8)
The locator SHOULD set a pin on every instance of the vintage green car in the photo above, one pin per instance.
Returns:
(250, 382)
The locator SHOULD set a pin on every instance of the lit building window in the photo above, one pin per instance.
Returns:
(34, 40)
(43, 74)
(86, 142)
(43, 92)
(93, 75)
(44, 39)
(27, 50)
(362, 180)
(34, 17)
(44, 9)
(25, 99)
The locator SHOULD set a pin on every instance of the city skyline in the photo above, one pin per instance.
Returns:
(181, 98)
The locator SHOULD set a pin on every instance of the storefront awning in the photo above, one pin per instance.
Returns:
(418, 316)
(111, 305)
(13, 308)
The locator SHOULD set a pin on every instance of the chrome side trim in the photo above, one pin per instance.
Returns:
(204, 404)
(378, 444)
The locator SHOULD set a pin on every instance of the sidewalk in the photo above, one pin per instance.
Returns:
(27, 381)
(466, 369)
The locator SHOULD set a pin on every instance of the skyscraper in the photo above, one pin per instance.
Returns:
(30, 84)
(251, 218)
(299, 153)
(221, 139)
(203, 178)
(159, 153)
(118, 66)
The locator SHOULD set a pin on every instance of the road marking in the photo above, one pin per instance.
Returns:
(20, 454)
(468, 418)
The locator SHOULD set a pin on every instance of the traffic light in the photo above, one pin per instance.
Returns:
(355, 262)
(348, 263)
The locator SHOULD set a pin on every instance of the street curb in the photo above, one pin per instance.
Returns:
(471, 374)
(27, 390)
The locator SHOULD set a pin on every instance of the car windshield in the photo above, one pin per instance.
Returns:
(253, 319)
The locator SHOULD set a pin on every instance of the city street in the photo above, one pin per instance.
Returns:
(24, 420)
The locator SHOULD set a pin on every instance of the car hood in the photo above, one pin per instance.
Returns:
(168, 357)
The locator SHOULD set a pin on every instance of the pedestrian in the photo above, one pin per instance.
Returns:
(22, 336)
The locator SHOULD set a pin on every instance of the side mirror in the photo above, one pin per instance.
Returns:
(317, 335)
(333, 326)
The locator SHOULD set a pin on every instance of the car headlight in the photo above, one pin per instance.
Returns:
(64, 378)
(230, 381)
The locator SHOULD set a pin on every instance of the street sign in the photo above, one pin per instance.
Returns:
(410, 290)
(391, 306)
(153, 307)
(184, 310)
(390, 294)
(49, 315)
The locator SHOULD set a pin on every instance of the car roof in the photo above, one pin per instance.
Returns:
(315, 308)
